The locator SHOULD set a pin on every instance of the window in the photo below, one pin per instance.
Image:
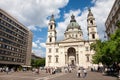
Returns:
(50, 26)
(49, 50)
(93, 36)
(49, 57)
(87, 58)
(50, 39)
(91, 22)
(76, 35)
(57, 50)
(56, 58)
(0, 45)
(1, 39)
(1, 57)
(87, 48)
(0, 14)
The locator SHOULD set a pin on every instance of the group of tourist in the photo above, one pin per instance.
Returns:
(6, 69)
(51, 70)
(81, 72)
(68, 69)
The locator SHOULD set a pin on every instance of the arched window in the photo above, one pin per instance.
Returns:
(91, 22)
(93, 36)
(50, 26)
(50, 39)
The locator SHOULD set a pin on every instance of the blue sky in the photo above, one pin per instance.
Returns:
(35, 15)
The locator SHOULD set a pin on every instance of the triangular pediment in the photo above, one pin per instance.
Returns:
(70, 40)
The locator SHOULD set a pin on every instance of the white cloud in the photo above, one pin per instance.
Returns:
(43, 45)
(32, 27)
(39, 52)
(37, 48)
(37, 41)
(33, 12)
(34, 45)
(100, 11)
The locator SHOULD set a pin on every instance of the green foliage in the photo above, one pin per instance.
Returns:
(38, 62)
(107, 52)
(118, 23)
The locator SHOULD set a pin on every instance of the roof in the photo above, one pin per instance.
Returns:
(90, 13)
(73, 24)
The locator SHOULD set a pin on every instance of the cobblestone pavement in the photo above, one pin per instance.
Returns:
(58, 76)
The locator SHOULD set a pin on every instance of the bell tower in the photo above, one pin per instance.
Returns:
(92, 28)
(51, 30)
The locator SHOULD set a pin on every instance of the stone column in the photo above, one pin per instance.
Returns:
(65, 59)
(76, 57)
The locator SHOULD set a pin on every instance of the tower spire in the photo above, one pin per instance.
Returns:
(72, 18)
(92, 28)
(52, 18)
(90, 13)
(51, 30)
(89, 9)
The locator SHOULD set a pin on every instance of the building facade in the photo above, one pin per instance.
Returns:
(113, 18)
(15, 41)
(73, 50)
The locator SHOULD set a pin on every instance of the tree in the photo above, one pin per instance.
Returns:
(38, 62)
(97, 48)
(118, 23)
(107, 52)
(116, 38)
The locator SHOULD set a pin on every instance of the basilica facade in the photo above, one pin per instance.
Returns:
(73, 50)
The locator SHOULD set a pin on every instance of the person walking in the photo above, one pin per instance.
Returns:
(7, 70)
(85, 73)
(78, 73)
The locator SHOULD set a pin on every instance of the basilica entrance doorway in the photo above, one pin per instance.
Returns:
(71, 54)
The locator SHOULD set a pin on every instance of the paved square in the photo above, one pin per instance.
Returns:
(58, 76)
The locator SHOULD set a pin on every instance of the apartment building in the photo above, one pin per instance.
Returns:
(113, 18)
(15, 42)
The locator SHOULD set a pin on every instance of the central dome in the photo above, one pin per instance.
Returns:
(73, 24)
